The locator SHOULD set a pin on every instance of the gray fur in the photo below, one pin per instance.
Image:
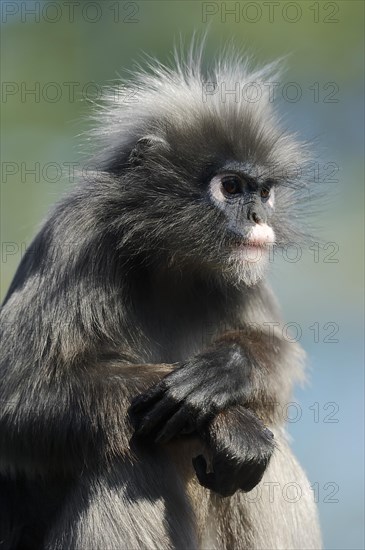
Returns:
(129, 279)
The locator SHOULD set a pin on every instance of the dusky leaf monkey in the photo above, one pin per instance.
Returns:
(143, 376)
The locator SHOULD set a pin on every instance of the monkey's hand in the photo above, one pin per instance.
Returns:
(240, 447)
(189, 397)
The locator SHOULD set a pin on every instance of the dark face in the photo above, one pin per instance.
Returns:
(247, 203)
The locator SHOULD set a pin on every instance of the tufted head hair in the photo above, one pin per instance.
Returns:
(164, 135)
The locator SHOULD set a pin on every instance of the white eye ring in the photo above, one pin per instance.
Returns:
(217, 190)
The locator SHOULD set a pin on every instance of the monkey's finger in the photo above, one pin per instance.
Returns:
(181, 420)
(205, 479)
(157, 416)
(147, 399)
(200, 466)
(251, 477)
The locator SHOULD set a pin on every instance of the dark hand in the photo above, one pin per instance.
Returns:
(241, 448)
(187, 398)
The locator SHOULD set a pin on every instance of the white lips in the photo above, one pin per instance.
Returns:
(260, 235)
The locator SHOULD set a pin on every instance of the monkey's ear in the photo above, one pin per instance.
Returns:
(146, 146)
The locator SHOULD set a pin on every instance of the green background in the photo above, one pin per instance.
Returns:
(51, 52)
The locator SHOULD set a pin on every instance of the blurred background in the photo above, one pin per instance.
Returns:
(56, 59)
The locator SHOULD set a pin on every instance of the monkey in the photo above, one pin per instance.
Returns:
(143, 373)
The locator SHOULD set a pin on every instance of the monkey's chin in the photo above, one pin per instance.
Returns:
(248, 264)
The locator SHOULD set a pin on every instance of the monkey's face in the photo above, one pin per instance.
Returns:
(206, 207)
(247, 205)
(212, 199)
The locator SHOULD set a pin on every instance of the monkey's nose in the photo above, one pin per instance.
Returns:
(256, 215)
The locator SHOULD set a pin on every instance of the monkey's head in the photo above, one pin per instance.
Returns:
(201, 169)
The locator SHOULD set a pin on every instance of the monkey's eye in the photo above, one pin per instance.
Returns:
(232, 184)
(265, 193)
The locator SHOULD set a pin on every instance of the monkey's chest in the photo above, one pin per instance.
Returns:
(179, 321)
(175, 338)
(176, 330)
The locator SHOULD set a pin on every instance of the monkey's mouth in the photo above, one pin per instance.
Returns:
(258, 239)
(243, 244)
(250, 251)
(253, 245)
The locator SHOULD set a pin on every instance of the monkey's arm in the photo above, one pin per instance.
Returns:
(222, 395)
(240, 368)
(71, 417)
(62, 424)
